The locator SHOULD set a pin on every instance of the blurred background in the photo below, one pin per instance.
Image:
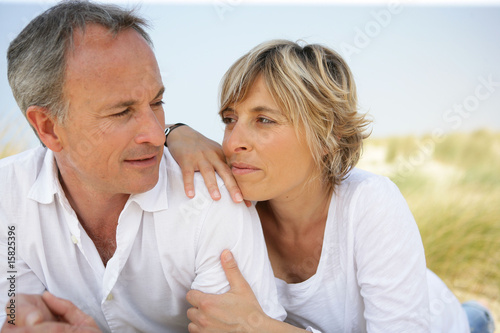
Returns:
(427, 72)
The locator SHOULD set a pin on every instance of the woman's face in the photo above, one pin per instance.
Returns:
(266, 157)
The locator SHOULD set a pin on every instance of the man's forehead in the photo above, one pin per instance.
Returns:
(81, 36)
(97, 48)
(111, 69)
(97, 35)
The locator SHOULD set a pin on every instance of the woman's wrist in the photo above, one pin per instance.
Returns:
(169, 129)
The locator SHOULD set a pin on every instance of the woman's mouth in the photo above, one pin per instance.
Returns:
(239, 169)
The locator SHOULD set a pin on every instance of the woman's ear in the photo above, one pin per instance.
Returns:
(44, 126)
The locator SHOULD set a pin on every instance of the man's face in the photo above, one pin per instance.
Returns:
(112, 140)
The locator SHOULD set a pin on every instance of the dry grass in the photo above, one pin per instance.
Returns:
(14, 135)
(452, 186)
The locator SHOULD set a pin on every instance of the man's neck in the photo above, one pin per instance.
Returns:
(98, 214)
(93, 206)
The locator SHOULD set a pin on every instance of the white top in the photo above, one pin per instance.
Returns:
(166, 245)
(372, 275)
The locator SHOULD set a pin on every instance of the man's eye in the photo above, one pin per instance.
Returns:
(121, 114)
(160, 103)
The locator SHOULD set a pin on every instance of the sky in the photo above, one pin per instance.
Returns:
(419, 66)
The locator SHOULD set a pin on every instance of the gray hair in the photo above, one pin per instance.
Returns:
(36, 57)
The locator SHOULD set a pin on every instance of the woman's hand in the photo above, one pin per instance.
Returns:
(195, 152)
(235, 311)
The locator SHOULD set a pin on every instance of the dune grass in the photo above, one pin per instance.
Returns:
(8, 145)
(14, 135)
(452, 186)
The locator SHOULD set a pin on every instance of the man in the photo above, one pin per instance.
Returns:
(98, 215)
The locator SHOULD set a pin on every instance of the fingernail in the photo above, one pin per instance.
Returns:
(228, 256)
(33, 318)
(239, 198)
(215, 194)
(191, 193)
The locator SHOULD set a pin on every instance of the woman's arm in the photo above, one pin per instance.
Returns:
(390, 260)
(195, 152)
(237, 310)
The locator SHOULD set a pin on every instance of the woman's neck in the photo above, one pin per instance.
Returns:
(294, 230)
(298, 213)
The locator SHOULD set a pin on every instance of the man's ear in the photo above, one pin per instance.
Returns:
(44, 126)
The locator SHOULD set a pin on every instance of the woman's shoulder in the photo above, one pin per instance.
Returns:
(358, 180)
(360, 175)
(364, 194)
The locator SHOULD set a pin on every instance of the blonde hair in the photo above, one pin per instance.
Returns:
(314, 88)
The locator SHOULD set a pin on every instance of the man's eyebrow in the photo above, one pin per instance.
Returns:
(128, 103)
(160, 92)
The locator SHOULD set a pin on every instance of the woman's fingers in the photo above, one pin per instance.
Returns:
(207, 169)
(233, 274)
(195, 152)
(227, 176)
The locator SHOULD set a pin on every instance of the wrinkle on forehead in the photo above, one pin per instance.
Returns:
(125, 62)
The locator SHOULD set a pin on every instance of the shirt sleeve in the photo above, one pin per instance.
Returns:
(390, 260)
(235, 227)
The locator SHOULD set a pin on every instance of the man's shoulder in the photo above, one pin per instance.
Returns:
(202, 210)
(23, 164)
(176, 183)
(201, 217)
(18, 173)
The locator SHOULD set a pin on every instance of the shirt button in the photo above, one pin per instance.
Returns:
(110, 297)
(74, 239)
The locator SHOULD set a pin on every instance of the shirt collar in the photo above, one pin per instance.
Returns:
(156, 198)
(47, 185)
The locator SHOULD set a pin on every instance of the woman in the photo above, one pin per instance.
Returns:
(344, 247)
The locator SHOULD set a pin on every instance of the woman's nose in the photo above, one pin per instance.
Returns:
(236, 139)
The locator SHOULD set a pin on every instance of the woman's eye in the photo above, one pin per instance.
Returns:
(265, 120)
(227, 120)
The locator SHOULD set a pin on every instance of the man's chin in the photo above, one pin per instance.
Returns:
(143, 186)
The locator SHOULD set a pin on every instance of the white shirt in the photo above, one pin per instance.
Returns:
(372, 275)
(166, 245)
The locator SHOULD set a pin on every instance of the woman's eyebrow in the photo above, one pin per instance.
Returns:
(266, 109)
(260, 108)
